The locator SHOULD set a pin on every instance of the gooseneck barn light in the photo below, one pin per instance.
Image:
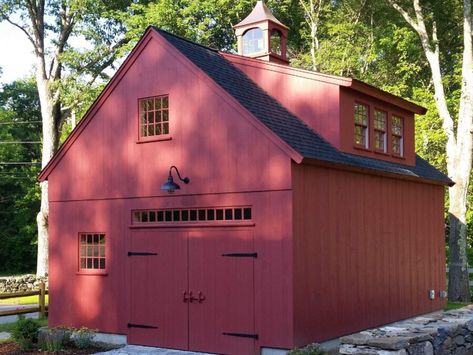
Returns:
(170, 185)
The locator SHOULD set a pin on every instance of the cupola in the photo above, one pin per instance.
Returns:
(261, 35)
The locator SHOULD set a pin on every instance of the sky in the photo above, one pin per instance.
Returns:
(16, 57)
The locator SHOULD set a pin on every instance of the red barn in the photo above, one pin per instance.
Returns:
(303, 212)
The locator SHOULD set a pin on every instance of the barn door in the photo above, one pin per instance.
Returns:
(221, 317)
(158, 263)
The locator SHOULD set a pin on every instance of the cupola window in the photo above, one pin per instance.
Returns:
(276, 42)
(253, 41)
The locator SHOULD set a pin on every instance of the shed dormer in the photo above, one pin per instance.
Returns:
(261, 35)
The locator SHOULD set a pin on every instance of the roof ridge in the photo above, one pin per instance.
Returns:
(183, 38)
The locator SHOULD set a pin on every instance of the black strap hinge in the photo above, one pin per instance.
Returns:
(139, 253)
(142, 326)
(241, 255)
(242, 335)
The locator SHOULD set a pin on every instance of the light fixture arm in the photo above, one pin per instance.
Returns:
(184, 180)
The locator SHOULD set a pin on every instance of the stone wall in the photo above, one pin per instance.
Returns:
(439, 333)
(21, 283)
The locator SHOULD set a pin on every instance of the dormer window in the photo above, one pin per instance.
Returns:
(361, 125)
(253, 41)
(154, 116)
(276, 42)
(397, 139)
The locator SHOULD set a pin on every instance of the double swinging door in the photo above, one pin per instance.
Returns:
(193, 290)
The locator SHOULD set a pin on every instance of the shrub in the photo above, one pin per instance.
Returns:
(83, 337)
(25, 332)
(311, 349)
(54, 339)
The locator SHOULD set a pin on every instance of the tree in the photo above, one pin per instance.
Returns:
(49, 27)
(20, 119)
(424, 19)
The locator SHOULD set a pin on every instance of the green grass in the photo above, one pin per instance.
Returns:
(23, 300)
(7, 327)
(455, 305)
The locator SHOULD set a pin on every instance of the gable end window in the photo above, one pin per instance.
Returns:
(361, 125)
(92, 252)
(397, 138)
(154, 116)
(380, 119)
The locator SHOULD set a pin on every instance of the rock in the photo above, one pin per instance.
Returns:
(424, 348)
(357, 339)
(348, 349)
(459, 340)
(461, 350)
(389, 343)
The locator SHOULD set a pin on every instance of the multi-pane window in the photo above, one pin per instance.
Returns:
(397, 135)
(253, 41)
(92, 251)
(361, 125)
(380, 119)
(154, 116)
(212, 214)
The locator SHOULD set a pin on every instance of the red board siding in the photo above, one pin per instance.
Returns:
(367, 250)
(213, 141)
(78, 300)
(312, 100)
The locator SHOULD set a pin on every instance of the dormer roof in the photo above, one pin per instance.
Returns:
(259, 14)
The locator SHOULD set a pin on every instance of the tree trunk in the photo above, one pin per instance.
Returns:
(50, 121)
(459, 146)
(460, 170)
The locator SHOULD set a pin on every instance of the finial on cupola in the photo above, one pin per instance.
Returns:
(261, 35)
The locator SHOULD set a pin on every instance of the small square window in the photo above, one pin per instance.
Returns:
(176, 215)
(92, 251)
(238, 214)
(154, 116)
(247, 213)
(210, 215)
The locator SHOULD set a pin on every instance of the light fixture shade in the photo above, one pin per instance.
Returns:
(170, 185)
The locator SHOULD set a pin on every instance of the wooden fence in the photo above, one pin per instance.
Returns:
(41, 308)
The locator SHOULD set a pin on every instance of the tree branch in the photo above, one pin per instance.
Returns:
(404, 14)
(6, 18)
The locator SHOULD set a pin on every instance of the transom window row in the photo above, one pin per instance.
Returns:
(192, 215)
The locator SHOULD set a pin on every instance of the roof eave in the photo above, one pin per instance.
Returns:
(386, 96)
(359, 169)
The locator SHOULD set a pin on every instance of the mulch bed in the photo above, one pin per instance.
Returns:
(12, 348)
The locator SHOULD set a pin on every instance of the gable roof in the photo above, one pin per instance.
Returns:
(286, 126)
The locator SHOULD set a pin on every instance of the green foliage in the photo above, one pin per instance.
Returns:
(54, 339)
(311, 349)
(25, 332)
(20, 119)
(83, 337)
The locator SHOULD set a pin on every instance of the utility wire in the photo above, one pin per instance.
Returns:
(18, 122)
(19, 163)
(19, 142)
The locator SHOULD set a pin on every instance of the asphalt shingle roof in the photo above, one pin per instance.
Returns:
(283, 123)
